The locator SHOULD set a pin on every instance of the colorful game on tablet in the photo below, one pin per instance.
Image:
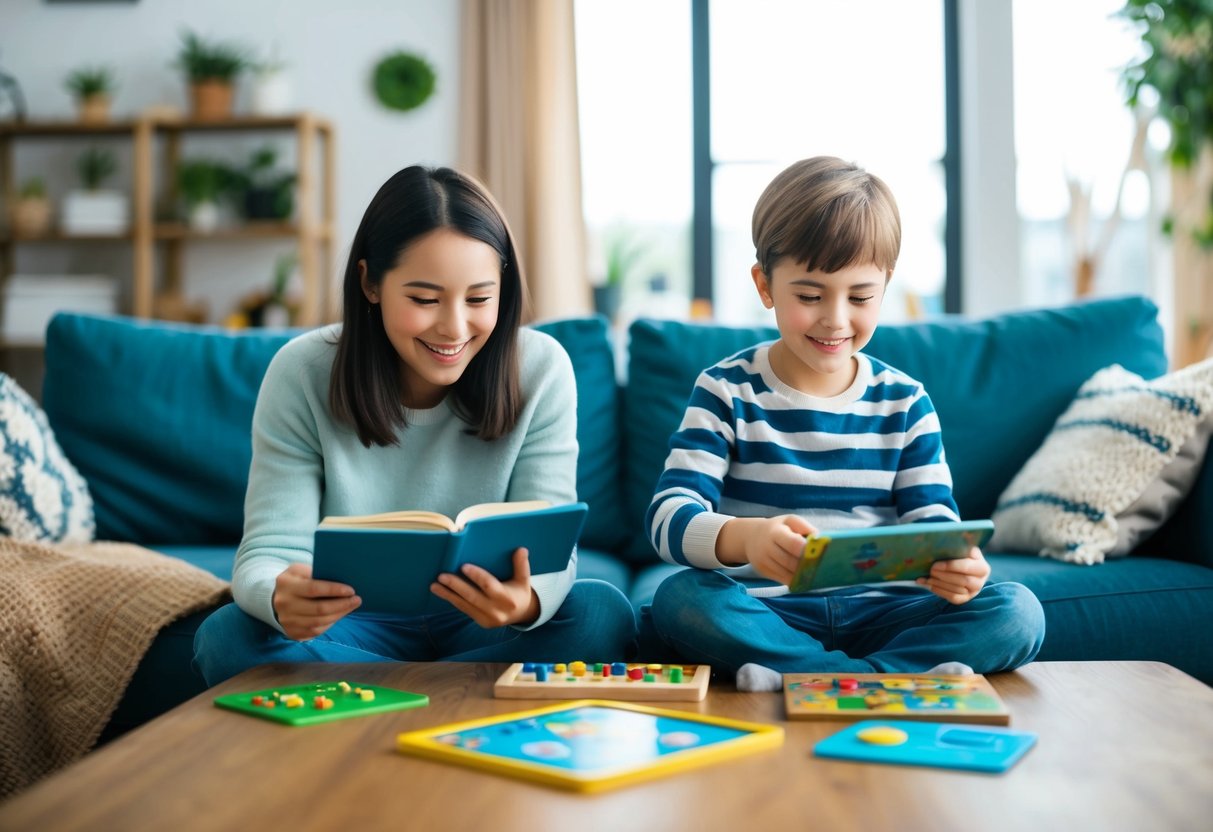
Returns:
(320, 702)
(894, 695)
(590, 745)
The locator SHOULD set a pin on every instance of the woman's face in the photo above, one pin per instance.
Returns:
(440, 304)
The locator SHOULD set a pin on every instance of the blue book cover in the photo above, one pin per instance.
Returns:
(884, 553)
(391, 569)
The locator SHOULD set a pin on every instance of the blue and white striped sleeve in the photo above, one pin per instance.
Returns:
(682, 520)
(922, 487)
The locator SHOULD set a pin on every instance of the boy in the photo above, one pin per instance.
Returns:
(807, 432)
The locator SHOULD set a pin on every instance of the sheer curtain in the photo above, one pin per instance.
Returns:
(519, 135)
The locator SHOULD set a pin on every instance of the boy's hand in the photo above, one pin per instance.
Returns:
(958, 580)
(774, 546)
(488, 601)
(306, 608)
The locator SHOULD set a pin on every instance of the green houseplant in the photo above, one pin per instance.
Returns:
(31, 211)
(92, 87)
(93, 209)
(202, 183)
(622, 254)
(1177, 71)
(265, 191)
(211, 69)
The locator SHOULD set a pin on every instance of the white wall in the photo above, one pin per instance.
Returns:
(330, 48)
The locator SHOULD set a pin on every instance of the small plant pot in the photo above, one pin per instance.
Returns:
(271, 93)
(95, 109)
(211, 100)
(204, 217)
(95, 212)
(268, 203)
(31, 216)
(607, 300)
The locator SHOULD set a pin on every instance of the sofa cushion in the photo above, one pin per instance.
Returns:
(43, 498)
(1120, 610)
(1116, 465)
(598, 431)
(997, 384)
(156, 416)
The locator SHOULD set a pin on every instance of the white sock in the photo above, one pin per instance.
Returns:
(758, 679)
(951, 669)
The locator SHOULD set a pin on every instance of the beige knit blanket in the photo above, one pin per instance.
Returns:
(75, 620)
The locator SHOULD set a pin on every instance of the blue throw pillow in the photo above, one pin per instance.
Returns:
(42, 496)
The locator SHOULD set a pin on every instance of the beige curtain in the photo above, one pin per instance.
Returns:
(519, 135)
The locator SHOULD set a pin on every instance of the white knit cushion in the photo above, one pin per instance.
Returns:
(42, 496)
(1115, 467)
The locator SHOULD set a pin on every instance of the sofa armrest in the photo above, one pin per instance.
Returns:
(1188, 536)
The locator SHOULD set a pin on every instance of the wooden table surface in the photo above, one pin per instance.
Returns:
(1122, 746)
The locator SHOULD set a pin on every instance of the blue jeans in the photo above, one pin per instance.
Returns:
(707, 617)
(595, 623)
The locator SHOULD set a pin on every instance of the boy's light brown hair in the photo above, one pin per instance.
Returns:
(827, 214)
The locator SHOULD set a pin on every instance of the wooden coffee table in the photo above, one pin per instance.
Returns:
(1123, 746)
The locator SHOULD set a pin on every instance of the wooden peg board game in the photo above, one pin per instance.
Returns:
(893, 695)
(636, 682)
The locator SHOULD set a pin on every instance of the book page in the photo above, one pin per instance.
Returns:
(492, 509)
(421, 520)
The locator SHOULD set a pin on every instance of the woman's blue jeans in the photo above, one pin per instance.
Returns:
(595, 623)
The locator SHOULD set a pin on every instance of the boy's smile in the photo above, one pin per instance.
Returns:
(823, 319)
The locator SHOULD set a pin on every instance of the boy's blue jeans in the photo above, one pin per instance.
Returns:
(707, 617)
(595, 623)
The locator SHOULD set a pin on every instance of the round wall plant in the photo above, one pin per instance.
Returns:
(403, 81)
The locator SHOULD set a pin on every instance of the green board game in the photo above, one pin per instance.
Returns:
(320, 702)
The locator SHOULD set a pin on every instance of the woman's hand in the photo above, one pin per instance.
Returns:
(306, 608)
(488, 601)
(958, 580)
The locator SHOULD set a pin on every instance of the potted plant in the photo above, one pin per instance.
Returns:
(1177, 40)
(92, 88)
(265, 192)
(201, 183)
(31, 212)
(94, 209)
(211, 68)
(271, 89)
(622, 255)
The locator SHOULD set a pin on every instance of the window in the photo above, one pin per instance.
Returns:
(1073, 138)
(634, 81)
(792, 79)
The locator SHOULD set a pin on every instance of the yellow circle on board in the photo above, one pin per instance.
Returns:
(882, 735)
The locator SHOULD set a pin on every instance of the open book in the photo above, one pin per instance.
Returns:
(391, 559)
(884, 553)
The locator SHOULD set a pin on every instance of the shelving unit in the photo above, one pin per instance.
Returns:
(152, 288)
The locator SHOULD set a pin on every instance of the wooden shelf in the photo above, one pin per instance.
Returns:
(56, 236)
(312, 228)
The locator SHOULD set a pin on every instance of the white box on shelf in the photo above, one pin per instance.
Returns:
(31, 300)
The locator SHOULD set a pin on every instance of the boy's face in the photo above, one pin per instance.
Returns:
(823, 319)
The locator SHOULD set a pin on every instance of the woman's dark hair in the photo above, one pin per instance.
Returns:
(366, 387)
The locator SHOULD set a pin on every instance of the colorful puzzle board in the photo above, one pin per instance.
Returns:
(928, 744)
(893, 695)
(590, 745)
(617, 680)
(346, 700)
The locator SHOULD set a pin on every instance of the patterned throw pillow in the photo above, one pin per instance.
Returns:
(42, 497)
(1115, 467)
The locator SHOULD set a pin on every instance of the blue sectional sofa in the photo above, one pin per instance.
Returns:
(156, 417)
